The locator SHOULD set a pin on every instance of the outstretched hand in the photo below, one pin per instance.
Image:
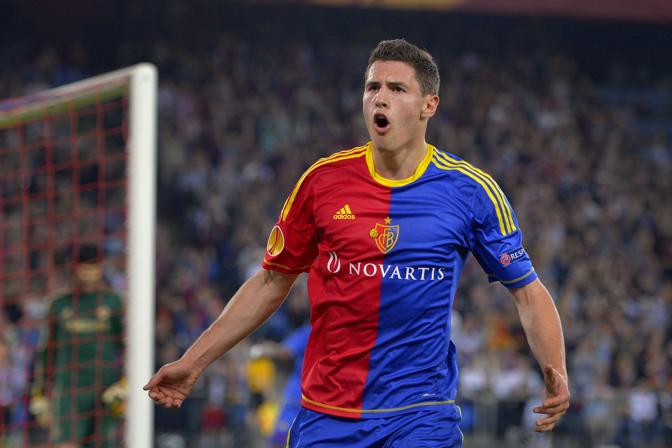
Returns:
(171, 385)
(557, 400)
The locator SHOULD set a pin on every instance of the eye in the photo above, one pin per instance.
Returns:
(398, 89)
(372, 87)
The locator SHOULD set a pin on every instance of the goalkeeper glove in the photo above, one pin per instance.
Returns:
(40, 407)
(114, 397)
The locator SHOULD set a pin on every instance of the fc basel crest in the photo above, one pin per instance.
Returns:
(385, 235)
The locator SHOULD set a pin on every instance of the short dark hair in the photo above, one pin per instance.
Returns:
(88, 253)
(401, 50)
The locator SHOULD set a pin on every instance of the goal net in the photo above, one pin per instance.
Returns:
(77, 171)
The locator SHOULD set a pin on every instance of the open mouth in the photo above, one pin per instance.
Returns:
(381, 122)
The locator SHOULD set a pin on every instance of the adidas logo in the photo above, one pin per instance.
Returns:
(344, 213)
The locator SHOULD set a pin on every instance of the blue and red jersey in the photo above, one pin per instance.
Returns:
(384, 258)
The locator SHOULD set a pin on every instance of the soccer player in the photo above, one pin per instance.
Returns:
(78, 386)
(384, 230)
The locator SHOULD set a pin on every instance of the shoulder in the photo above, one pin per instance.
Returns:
(58, 301)
(485, 194)
(488, 201)
(461, 170)
(336, 160)
(478, 182)
(112, 298)
(328, 165)
(458, 176)
(322, 169)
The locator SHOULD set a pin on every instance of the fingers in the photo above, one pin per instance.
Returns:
(553, 405)
(154, 381)
(169, 386)
(170, 403)
(554, 413)
(559, 401)
(548, 423)
(162, 396)
(557, 404)
(551, 410)
(165, 398)
(557, 390)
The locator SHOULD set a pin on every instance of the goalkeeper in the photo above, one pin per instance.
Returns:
(79, 392)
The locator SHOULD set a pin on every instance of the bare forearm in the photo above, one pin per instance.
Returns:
(254, 302)
(541, 322)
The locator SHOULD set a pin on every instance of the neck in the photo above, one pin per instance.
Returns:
(87, 288)
(399, 163)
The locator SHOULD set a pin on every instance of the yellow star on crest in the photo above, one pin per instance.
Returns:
(388, 220)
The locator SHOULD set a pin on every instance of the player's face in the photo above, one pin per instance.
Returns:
(395, 109)
(89, 275)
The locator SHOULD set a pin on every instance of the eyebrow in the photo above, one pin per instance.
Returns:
(389, 83)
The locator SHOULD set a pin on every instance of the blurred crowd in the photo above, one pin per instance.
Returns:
(585, 161)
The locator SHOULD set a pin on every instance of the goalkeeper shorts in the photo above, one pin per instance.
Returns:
(430, 428)
(81, 417)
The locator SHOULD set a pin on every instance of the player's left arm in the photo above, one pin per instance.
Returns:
(541, 322)
(497, 243)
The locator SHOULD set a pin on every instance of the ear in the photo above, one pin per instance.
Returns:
(431, 103)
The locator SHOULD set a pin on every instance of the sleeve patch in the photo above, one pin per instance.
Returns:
(512, 256)
(276, 242)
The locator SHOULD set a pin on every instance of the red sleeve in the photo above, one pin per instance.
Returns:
(292, 246)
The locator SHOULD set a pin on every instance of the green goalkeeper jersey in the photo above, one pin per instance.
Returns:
(84, 341)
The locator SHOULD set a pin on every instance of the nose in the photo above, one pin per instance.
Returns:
(380, 100)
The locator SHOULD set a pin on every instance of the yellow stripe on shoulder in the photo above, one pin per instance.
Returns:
(447, 166)
(336, 157)
(493, 184)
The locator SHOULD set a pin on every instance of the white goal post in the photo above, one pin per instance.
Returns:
(141, 254)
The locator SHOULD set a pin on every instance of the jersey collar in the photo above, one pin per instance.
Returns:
(419, 171)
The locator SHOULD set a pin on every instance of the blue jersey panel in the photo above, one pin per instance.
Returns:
(413, 364)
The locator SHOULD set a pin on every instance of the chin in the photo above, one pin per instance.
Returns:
(383, 143)
(380, 140)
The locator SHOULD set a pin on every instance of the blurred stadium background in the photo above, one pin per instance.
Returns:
(567, 104)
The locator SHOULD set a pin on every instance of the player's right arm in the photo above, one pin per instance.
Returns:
(254, 302)
(291, 250)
